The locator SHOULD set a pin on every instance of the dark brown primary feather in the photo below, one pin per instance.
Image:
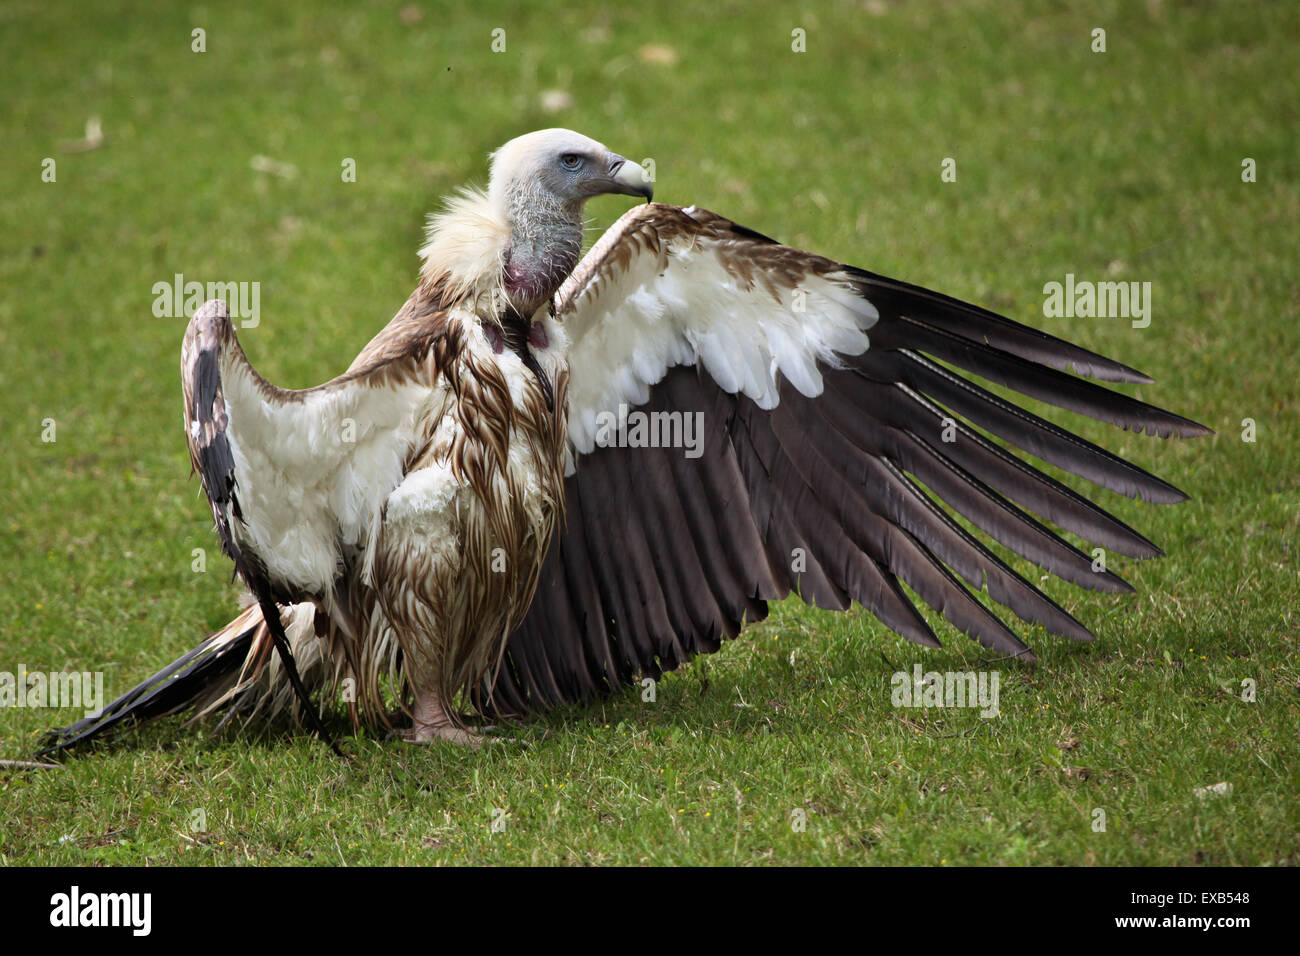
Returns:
(663, 556)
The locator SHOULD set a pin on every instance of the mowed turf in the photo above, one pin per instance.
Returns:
(1122, 165)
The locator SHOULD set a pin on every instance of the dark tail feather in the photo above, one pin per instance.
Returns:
(197, 677)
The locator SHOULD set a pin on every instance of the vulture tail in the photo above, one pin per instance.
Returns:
(234, 669)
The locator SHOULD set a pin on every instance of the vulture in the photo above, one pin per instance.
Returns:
(553, 475)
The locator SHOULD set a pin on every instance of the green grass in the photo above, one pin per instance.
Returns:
(1124, 164)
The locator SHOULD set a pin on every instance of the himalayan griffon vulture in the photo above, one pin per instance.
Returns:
(468, 517)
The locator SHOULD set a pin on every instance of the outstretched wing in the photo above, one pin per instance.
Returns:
(295, 477)
(831, 427)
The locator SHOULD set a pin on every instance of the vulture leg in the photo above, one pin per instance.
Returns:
(432, 722)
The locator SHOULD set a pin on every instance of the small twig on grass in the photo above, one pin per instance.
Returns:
(29, 765)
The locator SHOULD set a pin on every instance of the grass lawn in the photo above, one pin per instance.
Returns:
(1124, 164)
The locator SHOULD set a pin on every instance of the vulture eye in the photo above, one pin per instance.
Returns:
(571, 160)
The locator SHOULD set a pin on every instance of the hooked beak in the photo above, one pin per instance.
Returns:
(628, 178)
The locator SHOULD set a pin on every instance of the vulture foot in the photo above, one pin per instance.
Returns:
(432, 723)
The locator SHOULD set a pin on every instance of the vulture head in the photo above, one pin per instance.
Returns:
(560, 167)
(523, 236)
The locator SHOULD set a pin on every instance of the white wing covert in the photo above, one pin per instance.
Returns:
(294, 477)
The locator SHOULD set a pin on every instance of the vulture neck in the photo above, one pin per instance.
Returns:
(545, 244)
(522, 242)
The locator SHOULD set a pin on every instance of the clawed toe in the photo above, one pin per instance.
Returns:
(426, 734)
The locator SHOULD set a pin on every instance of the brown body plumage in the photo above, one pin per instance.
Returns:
(453, 608)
